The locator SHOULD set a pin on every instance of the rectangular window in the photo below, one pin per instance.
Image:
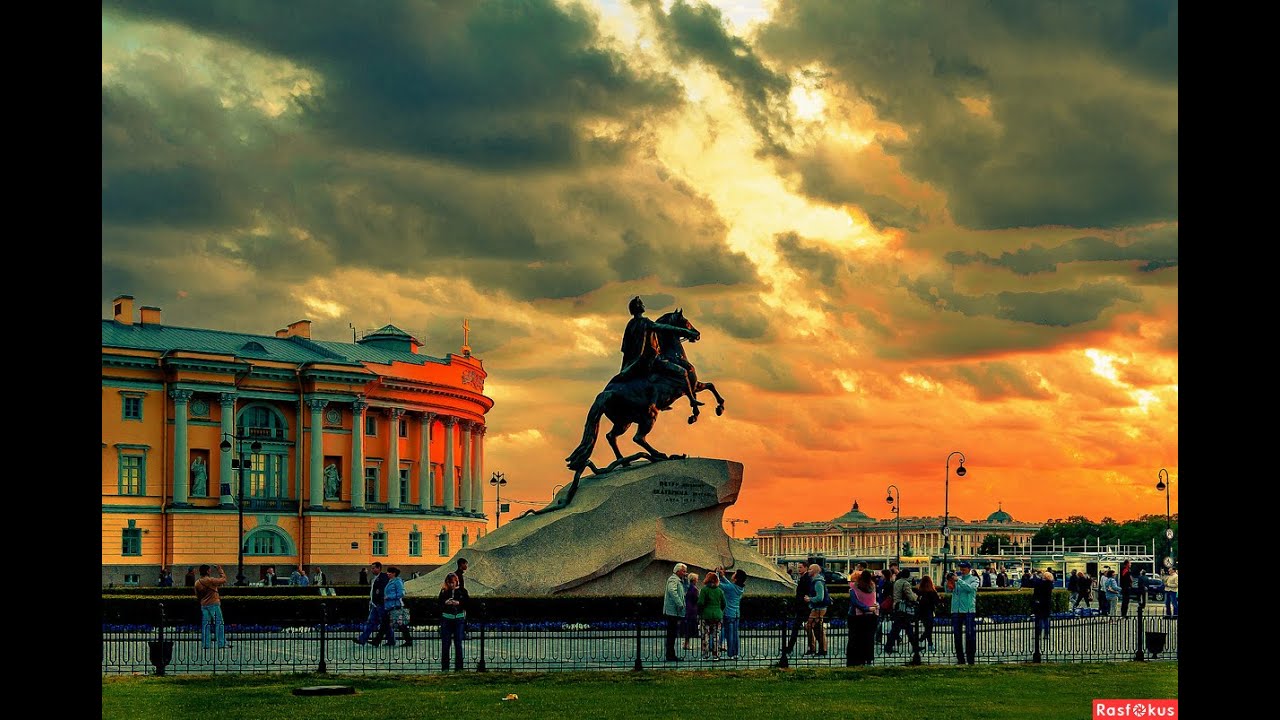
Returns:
(131, 580)
(444, 544)
(380, 543)
(371, 484)
(370, 425)
(131, 541)
(132, 408)
(267, 476)
(404, 485)
(404, 428)
(415, 544)
(132, 477)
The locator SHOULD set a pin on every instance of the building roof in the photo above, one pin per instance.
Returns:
(854, 516)
(1000, 515)
(293, 349)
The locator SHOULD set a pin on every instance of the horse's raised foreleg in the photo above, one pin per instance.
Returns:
(612, 436)
(719, 400)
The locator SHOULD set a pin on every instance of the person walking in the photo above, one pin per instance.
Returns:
(397, 612)
(905, 602)
(377, 609)
(453, 600)
(1084, 588)
(819, 600)
(804, 587)
(964, 610)
(673, 608)
(1042, 603)
(927, 610)
(211, 605)
(732, 608)
(1171, 593)
(711, 604)
(864, 614)
(190, 579)
(1072, 589)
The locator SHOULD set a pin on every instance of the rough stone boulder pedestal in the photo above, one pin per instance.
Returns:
(621, 535)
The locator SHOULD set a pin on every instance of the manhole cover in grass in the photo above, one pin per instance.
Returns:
(325, 690)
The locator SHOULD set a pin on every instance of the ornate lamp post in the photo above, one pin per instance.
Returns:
(733, 525)
(499, 480)
(895, 498)
(946, 511)
(1162, 477)
(239, 464)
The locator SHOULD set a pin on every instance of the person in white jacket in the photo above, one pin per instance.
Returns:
(1171, 593)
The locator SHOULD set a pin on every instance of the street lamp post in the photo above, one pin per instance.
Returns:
(946, 511)
(1162, 477)
(240, 463)
(733, 525)
(499, 480)
(895, 498)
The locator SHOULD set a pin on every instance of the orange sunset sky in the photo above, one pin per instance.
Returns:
(903, 228)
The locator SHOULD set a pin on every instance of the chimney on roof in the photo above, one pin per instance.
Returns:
(302, 329)
(123, 306)
(282, 332)
(150, 315)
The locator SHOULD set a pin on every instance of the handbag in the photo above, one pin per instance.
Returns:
(399, 617)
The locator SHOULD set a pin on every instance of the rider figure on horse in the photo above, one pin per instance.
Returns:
(641, 353)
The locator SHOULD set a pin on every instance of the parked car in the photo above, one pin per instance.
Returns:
(1154, 585)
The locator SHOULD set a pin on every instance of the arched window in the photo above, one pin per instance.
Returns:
(268, 540)
(262, 418)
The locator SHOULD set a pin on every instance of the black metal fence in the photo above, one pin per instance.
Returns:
(628, 644)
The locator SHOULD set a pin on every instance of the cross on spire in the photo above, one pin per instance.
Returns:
(466, 330)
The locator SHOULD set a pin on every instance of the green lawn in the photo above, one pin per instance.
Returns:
(997, 691)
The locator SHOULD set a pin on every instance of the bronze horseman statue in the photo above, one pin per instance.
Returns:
(655, 372)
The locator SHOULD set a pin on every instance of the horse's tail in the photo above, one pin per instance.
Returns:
(581, 455)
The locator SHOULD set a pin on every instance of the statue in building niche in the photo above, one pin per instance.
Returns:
(332, 483)
(655, 374)
(199, 477)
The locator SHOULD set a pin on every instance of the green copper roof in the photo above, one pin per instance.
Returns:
(287, 349)
(854, 516)
(1000, 516)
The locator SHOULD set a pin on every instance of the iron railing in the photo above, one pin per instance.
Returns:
(635, 643)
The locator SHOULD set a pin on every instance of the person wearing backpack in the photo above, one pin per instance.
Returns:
(904, 615)
(819, 600)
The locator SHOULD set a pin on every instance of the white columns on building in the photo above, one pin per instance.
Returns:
(466, 466)
(447, 472)
(181, 471)
(426, 488)
(357, 453)
(317, 452)
(477, 469)
(393, 459)
(228, 403)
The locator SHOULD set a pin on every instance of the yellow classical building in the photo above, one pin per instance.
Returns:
(324, 455)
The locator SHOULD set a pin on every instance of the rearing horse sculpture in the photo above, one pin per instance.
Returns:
(637, 400)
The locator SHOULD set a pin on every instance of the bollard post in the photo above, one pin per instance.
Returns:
(324, 622)
(161, 650)
(1142, 602)
(639, 611)
(782, 661)
(1035, 657)
(480, 667)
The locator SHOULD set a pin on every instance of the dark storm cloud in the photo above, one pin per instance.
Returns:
(1058, 308)
(1157, 250)
(697, 32)
(276, 195)
(819, 180)
(810, 260)
(1071, 114)
(483, 83)
(998, 381)
(745, 320)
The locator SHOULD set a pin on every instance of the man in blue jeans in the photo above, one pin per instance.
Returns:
(378, 619)
(964, 609)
